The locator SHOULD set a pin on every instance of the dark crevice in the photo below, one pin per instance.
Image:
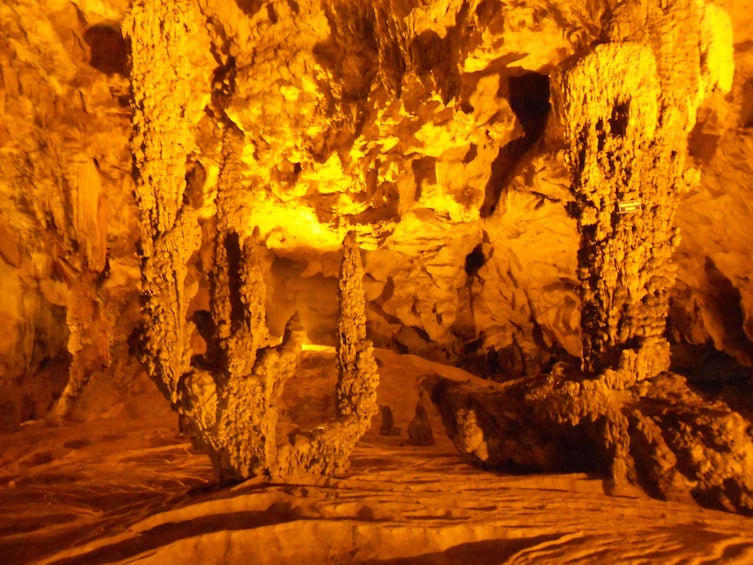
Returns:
(471, 155)
(726, 305)
(250, 7)
(294, 7)
(108, 49)
(474, 261)
(233, 249)
(702, 146)
(529, 100)
(223, 83)
(503, 171)
(618, 122)
(424, 170)
(746, 108)
(195, 177)
(271, 14)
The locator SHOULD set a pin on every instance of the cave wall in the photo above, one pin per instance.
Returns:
(426, 126)
(66, 219)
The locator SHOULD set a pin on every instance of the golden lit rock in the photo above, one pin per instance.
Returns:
(510, 188)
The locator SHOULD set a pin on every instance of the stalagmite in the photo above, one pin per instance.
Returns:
(230, 408)
(228, 401)
(358, 378)
(627, 109)
(623, 207)
(327, 448)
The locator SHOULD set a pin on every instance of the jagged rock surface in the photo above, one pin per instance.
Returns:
(354, 124)
(658, 434)
(229, 399)
(426, 127)
(628, 108)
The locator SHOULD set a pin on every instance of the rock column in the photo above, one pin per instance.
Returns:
(624, 207)
(161, 73)
(627, 108)
(358, 377)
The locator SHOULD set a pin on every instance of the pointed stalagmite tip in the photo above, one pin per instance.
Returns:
(294, 324)
(351, 239)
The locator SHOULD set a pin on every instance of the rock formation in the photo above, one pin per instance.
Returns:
(481, 151)
(627, 109)
(228, 400)
(660, 435)
(358, 377)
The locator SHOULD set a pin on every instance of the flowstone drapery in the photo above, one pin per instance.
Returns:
(228, 399)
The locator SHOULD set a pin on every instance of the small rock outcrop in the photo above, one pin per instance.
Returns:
(659, 434)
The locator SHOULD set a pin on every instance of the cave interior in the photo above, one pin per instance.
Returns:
(274, 247)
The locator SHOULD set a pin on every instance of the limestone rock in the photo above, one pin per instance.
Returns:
(660, 434)
(425, 127)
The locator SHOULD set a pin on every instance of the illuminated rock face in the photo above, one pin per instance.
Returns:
(229, 398)
(611, 117)
(361, 122)
(628, 108)
(425, 127)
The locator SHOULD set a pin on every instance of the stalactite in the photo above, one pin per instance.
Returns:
(160, 34)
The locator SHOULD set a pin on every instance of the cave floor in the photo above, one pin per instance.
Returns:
(127, 488)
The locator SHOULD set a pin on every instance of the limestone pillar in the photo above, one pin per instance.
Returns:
(627, 108)
(161, 34)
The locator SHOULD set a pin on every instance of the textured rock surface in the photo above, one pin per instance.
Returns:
(426, 127)
(67, 218)
(628, 108)
(227, 398)
(355, 114)
(658, 434)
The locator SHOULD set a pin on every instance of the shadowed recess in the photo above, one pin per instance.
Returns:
(109, 51)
